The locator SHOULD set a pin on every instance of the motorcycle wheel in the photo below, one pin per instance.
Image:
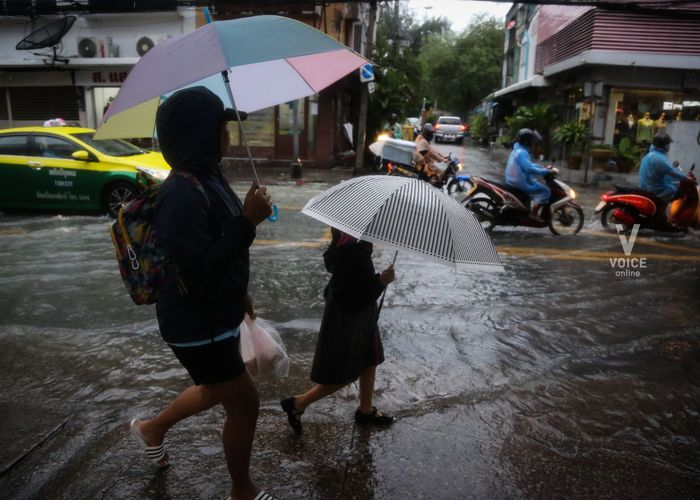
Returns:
(567, 219)
(608, 220)
(458, 188)
(485, 211)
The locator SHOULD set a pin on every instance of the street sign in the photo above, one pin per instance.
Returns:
(366, 73)
(371, 87)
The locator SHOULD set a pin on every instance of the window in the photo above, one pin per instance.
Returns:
(112, 147)
(54, 147)
(15, 145)
(357, 38)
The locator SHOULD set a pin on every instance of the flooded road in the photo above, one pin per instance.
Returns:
(558, 378)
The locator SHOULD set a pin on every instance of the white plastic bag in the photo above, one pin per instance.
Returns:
(262, 349)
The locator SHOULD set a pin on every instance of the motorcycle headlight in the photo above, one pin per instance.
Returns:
(156, 173)
(572, 193)
(382, 137)
(459, 167)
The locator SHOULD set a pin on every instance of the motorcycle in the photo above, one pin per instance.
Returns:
(497, 204)
(630, 205)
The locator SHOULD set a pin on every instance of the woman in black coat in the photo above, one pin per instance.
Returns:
(348, 346)
(205, 231)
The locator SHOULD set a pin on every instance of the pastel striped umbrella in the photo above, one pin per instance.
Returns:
(252, 63)
(407, 214)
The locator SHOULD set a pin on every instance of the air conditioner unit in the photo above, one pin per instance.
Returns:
(147, 42)
(97, 47)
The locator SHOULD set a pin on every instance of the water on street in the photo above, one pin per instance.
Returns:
(557, 378)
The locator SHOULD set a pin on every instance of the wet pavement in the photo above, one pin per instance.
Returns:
(558, 378)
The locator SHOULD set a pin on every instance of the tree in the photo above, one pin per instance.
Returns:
(465, 68)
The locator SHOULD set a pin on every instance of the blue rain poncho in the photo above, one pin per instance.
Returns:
(657, 175)
(521, 173)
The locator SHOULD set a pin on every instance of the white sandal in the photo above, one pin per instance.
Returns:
(154, 453)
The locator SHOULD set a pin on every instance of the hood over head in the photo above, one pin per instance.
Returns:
(188, 125)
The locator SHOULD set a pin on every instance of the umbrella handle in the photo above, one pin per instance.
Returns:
(275, 215)
(381, 302)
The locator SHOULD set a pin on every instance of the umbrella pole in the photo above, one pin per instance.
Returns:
(224, 74)
(381, 302)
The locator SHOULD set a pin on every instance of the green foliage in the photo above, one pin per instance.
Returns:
(398, 73)
(460, 70)
(573, 134)
(540, 117)
(628, 154)
(479, 128)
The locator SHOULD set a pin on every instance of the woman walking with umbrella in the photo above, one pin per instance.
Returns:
(205, 231)
(349, 346)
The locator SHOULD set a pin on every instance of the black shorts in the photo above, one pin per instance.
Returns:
(212, 363)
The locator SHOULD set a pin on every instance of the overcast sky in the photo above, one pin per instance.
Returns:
(459, 12)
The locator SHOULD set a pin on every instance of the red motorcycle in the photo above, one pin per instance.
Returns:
(497, 204)
(630, 205)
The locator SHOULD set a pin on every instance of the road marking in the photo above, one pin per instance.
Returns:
(552, 253)
(645, 241)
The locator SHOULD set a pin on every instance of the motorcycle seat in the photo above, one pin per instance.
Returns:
(519, 193)
(623, 189)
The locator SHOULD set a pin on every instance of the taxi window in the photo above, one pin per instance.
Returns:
(14, 145)
(54, 147)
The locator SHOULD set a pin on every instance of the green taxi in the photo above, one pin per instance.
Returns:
(65, 169)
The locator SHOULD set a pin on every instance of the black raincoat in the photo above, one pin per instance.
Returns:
(206, 237)
(348, 340)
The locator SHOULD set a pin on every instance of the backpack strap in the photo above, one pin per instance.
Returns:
(195, 181)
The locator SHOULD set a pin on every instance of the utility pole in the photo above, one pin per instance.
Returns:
(364, 95)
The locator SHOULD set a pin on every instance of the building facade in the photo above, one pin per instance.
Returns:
(76, 78)
(624, 72)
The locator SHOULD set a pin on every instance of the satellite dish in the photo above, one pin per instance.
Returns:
(48, 35)
(143, 45)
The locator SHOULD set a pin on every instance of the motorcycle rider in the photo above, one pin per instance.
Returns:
(656, 173)
(426, 156)
(393, 128)
(521, 170)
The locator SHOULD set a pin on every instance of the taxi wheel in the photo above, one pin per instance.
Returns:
(116, 195)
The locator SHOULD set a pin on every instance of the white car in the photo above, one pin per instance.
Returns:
(449, 128)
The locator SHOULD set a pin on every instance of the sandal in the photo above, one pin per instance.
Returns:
(375, 418)
(155, 454)
(293, 415)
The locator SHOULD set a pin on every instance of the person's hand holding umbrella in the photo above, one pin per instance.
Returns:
(257, 205)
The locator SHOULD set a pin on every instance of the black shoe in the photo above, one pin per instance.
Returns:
(293, 415)
(374, 418)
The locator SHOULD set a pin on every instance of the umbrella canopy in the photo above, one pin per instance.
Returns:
(407, 214)
(269, 60)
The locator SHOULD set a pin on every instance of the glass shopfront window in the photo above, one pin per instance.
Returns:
(259, 129)
(642, 113)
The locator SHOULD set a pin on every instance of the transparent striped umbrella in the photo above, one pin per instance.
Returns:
(407, 214)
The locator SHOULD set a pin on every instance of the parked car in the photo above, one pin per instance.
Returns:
(449, 128)
(64, 168)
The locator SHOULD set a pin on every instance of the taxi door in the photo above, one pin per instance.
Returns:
(16, 174)
(62, 183)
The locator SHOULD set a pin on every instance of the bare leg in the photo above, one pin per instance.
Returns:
(367, 376)
(240, 400)
(317, 392)
(191, 401)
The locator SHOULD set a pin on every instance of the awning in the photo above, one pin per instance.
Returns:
(533, 81)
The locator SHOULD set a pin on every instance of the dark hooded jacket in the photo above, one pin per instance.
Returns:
(206, 237)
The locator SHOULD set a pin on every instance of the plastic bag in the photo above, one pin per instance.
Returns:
(262, 349)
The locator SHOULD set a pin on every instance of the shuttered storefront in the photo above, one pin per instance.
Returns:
(40, 103)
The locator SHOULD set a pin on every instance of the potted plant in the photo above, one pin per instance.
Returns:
(627, 155)
(573, 135)
(601, 155)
